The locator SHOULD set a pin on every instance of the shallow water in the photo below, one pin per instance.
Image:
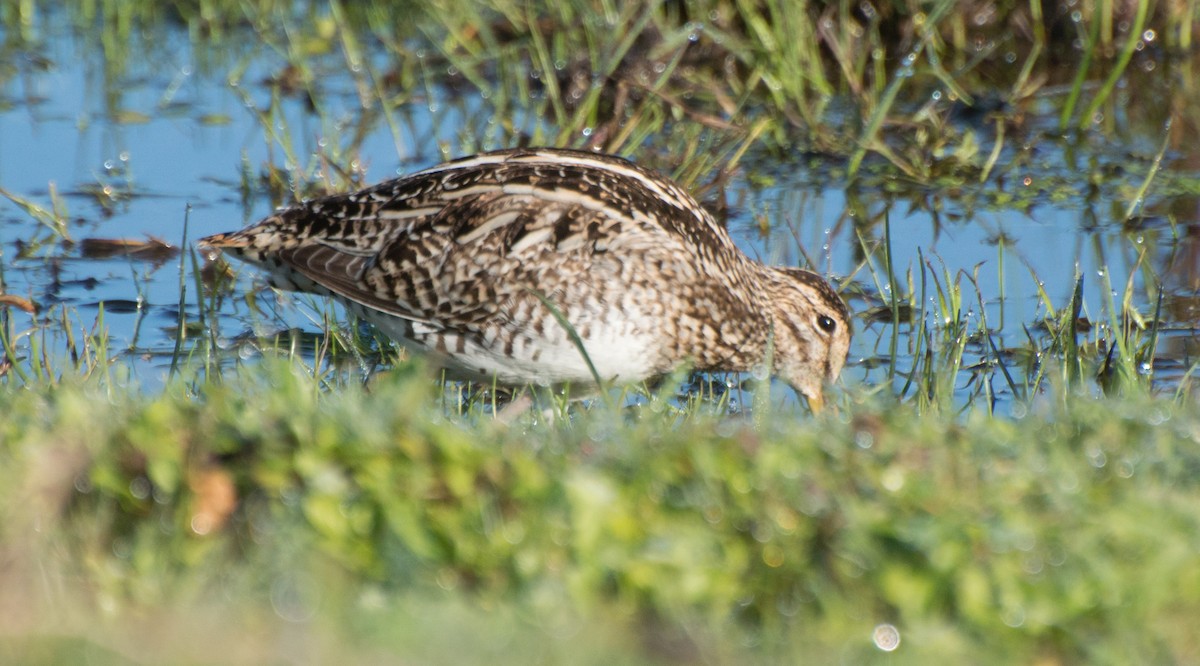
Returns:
(168, 139)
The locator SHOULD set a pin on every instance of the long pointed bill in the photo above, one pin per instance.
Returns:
(816, 403)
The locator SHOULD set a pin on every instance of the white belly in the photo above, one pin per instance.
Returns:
(619, 353)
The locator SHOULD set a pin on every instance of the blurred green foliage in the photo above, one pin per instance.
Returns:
(1069, 534)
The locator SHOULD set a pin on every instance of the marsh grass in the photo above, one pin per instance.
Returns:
(54, 219)
(931, 323)
(312, 488)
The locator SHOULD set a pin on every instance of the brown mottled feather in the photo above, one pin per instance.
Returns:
(455, 260)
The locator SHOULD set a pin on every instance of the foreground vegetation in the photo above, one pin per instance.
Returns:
(371, 522)
(270, 512)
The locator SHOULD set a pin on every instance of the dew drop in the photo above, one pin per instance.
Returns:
(1033, 564)
(139, 488)
(1014, 617)
(864, 440)
(202, 524)
(295, 599)
(886, 637)
(1125, 469)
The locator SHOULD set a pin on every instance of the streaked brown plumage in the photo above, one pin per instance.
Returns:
(458, 261)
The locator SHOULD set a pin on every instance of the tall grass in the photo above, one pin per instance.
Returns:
(844, 78)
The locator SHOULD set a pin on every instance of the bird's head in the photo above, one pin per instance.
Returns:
(811, 327)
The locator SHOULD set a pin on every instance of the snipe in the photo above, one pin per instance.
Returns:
(475, 261)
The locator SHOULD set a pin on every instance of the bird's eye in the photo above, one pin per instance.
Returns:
(827, 323)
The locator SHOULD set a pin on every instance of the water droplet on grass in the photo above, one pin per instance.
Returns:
(864, 439)
(295, 599)
(886, 637)
(139, 488)
(1014, 617)
(1125, 469)
(1033, 564)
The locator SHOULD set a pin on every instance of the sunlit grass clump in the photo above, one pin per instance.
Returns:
(1070, 533)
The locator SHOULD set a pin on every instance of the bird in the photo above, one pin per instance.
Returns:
(553, 267)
